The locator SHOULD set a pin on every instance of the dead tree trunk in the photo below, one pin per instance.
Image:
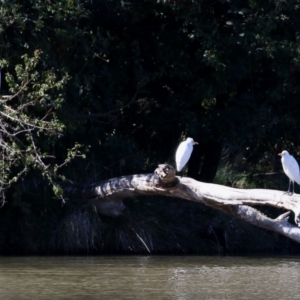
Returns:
(108, 195)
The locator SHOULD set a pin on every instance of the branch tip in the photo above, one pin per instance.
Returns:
(283, 216)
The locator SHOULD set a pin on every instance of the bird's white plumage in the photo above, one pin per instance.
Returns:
(290, 166)
(183, 153)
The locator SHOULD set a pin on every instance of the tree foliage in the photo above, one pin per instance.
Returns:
(97, 89)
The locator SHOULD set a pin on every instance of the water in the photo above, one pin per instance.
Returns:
(155, 277)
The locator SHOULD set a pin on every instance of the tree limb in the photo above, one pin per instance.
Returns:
(108, 196)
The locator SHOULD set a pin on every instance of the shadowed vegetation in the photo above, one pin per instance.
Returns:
(92, 90)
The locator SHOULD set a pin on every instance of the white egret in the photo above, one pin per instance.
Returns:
(290, 168)
(183, 153)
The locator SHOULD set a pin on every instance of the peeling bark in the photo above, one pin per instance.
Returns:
(107, 196)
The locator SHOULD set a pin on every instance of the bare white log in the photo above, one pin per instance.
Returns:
(107, 196)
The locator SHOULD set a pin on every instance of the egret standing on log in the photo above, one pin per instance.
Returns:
(290, 168)
(183, 153)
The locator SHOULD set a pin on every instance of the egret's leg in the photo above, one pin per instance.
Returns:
(179, 173)
(293, 187)
(289, 186)
(289, 190)
(182, 173)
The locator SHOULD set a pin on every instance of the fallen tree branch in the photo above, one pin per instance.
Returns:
(107, 196)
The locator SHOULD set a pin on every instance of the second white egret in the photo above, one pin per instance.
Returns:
(290, 168)
(183, 153)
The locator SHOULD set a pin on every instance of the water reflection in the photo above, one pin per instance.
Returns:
(163, 277)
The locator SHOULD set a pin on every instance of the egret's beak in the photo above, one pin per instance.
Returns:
(280, 154)
(195, 143)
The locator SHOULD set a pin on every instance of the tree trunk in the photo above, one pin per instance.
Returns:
(107, 196)
(210, 150)
(212, 153)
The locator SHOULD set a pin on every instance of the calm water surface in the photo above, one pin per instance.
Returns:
(141, 277)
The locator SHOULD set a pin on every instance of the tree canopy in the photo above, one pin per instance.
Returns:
(97, 89)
